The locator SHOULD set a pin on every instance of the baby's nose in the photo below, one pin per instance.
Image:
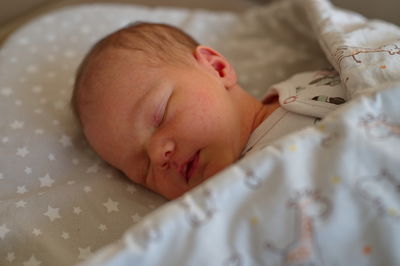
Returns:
(164, 154)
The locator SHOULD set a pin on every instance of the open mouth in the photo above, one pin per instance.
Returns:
(189, 168)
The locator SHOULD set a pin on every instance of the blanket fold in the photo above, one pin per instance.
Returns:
(361, 50)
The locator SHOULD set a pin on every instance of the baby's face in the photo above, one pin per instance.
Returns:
(167, 128)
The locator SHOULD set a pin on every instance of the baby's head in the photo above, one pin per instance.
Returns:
(163, 109)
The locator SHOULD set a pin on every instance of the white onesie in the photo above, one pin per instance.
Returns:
(304, 99)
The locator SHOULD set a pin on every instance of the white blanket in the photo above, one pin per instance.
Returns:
(327, 195)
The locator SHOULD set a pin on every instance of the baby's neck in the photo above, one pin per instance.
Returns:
(265, 110)
(252, 112)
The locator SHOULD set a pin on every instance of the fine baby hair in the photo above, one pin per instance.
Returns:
(159, 43)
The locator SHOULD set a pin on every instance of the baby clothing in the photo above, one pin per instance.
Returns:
(304, 99)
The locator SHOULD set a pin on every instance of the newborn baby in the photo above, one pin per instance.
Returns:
(166, 111)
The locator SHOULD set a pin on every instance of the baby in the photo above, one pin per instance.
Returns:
(168, 112)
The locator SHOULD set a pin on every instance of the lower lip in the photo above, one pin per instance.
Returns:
(194, 166)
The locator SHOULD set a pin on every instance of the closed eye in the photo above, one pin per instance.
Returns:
(164, 112)
(161, 112)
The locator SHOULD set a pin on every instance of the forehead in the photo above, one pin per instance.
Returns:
(114, 86)
(114, 68)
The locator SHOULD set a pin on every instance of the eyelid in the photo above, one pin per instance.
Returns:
(161, 110)
(160, 113)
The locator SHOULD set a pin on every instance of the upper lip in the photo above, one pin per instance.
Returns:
(185, 167)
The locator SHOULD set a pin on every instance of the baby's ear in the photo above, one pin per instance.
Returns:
(216, 64)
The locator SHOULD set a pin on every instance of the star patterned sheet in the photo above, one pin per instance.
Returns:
(325, 195)
(59, 203)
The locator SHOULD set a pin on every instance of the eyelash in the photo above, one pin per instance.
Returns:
(160, 115)
(160, 121)
(160, 118)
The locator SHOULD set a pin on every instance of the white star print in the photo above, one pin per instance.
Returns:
(14, 60)
(50, 58)
(48, 20)
(3, 231)
(51, 157)
(46, 181)
(6, 91)
(28, 170)
(32, 69)
(102, 227)
(52, 213)
(22, 152)
(70, 53)
(84, 253)
(10, 256)
(21, 189)
(111, 205)
(23, 41)
(50, 74)
(71, 182)
(50, 38)
(93, 169)
(5, 139)
(37, 89)
(75, 161)
(65, 141)
(87, 189)
(56, 122)
(1, 176)
(131, 189)
(39, 131)
(86, 29)
(77, 210)
(136, 218)
(17, 124)
(32, 262)
(38, 111)
(18, 102)
(59, 105)
(36, 232)
(20, 204)
(65, 235)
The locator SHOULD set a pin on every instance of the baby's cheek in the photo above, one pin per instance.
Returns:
(197, 109)
(204, 112)
(207, 120)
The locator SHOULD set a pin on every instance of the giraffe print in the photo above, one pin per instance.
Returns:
(378, 126)
(345, 51)
(383, 191)
(309, 205)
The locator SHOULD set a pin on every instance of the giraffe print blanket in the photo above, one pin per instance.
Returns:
(326, 195)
